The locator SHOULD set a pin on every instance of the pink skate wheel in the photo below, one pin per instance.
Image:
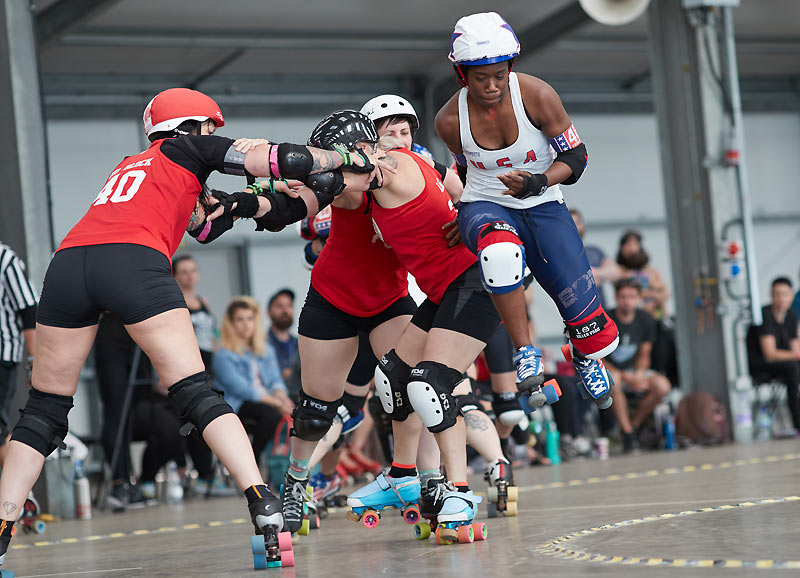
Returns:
(465, 534)
(370, 519)
(287, 558)
(285, 541)
(480, 531)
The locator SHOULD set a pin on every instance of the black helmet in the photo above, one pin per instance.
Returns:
(343, 127)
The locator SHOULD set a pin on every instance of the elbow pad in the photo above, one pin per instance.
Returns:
(210, 231)
(576, 159)
(330, 183)
(283, 211)
(290, 161)
(462, 173)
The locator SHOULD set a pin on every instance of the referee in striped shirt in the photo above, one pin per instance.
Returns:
(17, 319)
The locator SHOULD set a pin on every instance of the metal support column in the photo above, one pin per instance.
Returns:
(25, 218)
(691, 120)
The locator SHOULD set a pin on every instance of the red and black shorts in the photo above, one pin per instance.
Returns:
(133, 281)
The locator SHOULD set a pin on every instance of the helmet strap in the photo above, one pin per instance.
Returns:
(462, 79)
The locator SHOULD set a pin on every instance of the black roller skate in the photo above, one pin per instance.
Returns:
(6, 530)
(293, 499)
(271, 547)
(501, 495)
(430, 502)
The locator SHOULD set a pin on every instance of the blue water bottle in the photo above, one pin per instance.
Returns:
(551, 443)
(669, 433)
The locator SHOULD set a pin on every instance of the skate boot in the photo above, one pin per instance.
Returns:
(596, 381)
(455, 518)
(271, 547)
(368, 502)
(530, 370)
(324, 489)
(293, 500)
(430, 502)
(501, 496)
(6, 530)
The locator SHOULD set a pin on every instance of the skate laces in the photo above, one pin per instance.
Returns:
(293, 506)
(436, 493)
(592, 374)
(528, 361)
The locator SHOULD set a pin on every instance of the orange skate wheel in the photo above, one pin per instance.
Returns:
(446, 536)
(466, 534)
(352, 516)
(371, 519)
(481, 531)
(411, 515)
(565, 350)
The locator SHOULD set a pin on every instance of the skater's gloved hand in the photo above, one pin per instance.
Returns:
(522, 184)
(452, 233)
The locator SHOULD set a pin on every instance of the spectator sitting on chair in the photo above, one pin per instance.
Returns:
(604, 269)
(635, 263)
(780, 346)
(280, 309)
(629, 364)
(246, 369)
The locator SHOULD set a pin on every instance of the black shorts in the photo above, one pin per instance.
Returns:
(319, 319)
(363, 369)
(465, 308)
(499, 352)
(133, 281)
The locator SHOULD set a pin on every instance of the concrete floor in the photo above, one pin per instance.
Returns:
(568, 526)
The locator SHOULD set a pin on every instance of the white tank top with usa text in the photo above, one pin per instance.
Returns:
(531, 152)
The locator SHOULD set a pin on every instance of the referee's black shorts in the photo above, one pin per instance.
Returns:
(133, 281)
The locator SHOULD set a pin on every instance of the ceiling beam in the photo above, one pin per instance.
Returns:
(64, 15)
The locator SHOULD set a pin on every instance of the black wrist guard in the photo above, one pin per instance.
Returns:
(532, 186)
(283, 211)
(210, 231)
(348, 158)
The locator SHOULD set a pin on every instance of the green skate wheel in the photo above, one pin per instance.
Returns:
(491, 494)
(422, 530)
(304, 527)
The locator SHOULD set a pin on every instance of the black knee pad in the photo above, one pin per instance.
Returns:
(294, 161)
(198, 403)
(353, 403)
(383, 421)
(391, 382)
(43, 421)
(467, 402)
(430, 391)
(507, 408)
(313, 417)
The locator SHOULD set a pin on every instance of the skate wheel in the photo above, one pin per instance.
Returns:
(511, 509)
(273, 564)
(371, 519)
(604, 402)
(512, 494)
(566, 352)
(481, 531)
(551, 391)
(411, 515)
(313, 522)
(39, 527)
(353, 516)
(284, 541)
(491, 494)
(258, 546)
(323, 513)
(446, 536)
(259, 561)
(6, 574)
(466, 534)
(304, 527)
(369, 476)
(422, 531)
(287, 558)
(491, 509)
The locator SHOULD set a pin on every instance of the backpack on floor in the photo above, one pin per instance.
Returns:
(277, 452)
(701, 419)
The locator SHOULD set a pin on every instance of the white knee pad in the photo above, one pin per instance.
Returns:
(502, 267)
(430, 390)
(384, 390)
(391, 376)
(425, 401)
(511, 418)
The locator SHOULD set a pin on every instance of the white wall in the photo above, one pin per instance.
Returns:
(622, 186)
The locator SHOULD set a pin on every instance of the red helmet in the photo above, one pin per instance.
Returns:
(171, 107)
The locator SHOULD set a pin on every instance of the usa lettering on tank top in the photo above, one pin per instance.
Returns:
(530, 152)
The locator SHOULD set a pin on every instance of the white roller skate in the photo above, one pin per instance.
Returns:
(385, 492)
(456, 516)
(501, 495)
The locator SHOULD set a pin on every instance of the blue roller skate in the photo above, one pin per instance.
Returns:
(455, 518)
(368, 502)
(596, 381)
(530, 370)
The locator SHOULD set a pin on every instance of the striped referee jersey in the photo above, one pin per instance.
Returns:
(16, 294)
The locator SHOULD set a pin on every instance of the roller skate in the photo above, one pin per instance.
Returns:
(29, 517)
(530, 370)
(430, 502)
(324, 489)
(368, 502)
(501, 495)
(595, 379)
(293, 501)
(271, 547)
(455, 518)
(311, 517)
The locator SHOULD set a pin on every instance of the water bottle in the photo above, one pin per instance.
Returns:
(669, 433)
(83, 494)
(764, 425)
(174, 487)
(551, 443)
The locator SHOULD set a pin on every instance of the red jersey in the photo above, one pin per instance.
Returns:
(353, 273)
(147, 200)
(414, 232)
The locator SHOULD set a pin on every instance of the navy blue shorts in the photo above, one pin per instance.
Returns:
(553, 249)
